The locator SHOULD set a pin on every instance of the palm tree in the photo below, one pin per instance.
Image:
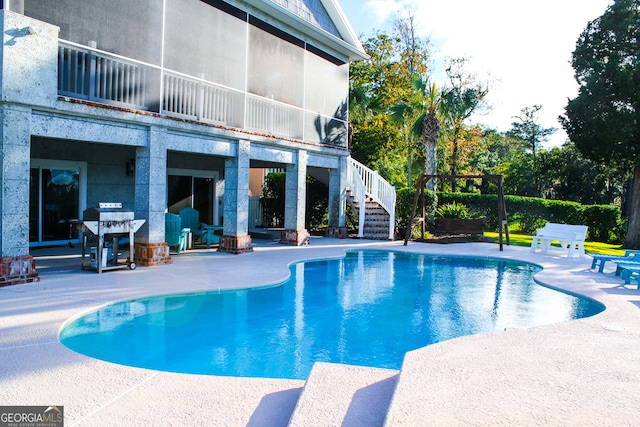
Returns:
(362, 105)
(421, 111)
(430, 135)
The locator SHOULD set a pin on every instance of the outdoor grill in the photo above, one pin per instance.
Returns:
(103, 227)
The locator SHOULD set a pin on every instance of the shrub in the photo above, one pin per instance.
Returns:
(404, 203)
(482, 205)
(604, 222)
(273, 201)
(531, 213)
(453, 210)
(317, 204)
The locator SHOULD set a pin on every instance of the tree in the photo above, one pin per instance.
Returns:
(527, 128)
(604, 119)
(494, 149)
(385, 79)
(413, 57)
(416, 50)
(363, 105)
(564, 170)
(375, 84)
(518, 175)
(464, 96)
(420, 110)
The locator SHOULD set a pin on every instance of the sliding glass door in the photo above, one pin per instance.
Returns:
(194, 189)
(57, 196)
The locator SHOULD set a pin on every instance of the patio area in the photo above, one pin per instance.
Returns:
(582, 372)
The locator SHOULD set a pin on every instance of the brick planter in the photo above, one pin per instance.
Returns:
(294, 237)
(235, 244)
(150, 254)
(18, 270)
(337, 232)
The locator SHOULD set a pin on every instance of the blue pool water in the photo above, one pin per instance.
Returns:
(368, 308)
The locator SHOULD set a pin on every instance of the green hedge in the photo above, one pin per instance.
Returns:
(526, 213)
(273, 201)
(404, 204)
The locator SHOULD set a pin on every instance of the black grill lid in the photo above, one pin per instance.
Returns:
(107, 212)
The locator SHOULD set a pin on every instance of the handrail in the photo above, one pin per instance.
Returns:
(367, 182)
(359, 191)
(89, 73)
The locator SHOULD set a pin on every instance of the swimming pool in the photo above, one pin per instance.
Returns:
(368, 308)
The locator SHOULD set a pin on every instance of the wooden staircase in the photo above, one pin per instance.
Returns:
(374, 201)
(377, 221)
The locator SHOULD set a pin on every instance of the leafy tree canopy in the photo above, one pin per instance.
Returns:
(384, 80)
(527, 128)
(604, 119)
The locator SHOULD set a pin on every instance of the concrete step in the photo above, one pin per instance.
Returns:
(376, 212)
(377, 219)
(344, 395)
(376, 225)
(377, 236)
(376, 215)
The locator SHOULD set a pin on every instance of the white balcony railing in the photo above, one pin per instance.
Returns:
(105, 78)
(197, 99)
(282, 119)
(100, 76)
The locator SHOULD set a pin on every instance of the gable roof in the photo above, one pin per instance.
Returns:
(345, 42)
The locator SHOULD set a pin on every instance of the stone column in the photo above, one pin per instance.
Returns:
(235, 235)
(29, 61)
(16, 265)
(338, 201)
(151, 196)
(294, 232)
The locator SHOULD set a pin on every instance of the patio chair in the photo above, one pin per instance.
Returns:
(174, 234)
(629, 273)
(602, 259)
(199, 230)
(191, 219)
(621, 265)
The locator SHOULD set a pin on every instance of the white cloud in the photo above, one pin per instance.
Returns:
(524, 46)
(380, 10)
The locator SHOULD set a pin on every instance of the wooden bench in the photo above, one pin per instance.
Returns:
(458, 226)
(569, 236)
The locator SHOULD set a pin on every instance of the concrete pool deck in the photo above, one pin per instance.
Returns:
(581, 372)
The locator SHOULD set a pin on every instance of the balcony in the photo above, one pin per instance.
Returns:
(98, 76)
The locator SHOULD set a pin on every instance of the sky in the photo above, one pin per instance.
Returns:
(521, 47)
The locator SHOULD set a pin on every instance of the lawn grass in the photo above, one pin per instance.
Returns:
(589, 247)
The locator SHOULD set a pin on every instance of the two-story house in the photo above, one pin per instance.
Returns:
(162, 104)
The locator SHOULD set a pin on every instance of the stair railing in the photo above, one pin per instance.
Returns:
(370, 183)
(359, 193)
